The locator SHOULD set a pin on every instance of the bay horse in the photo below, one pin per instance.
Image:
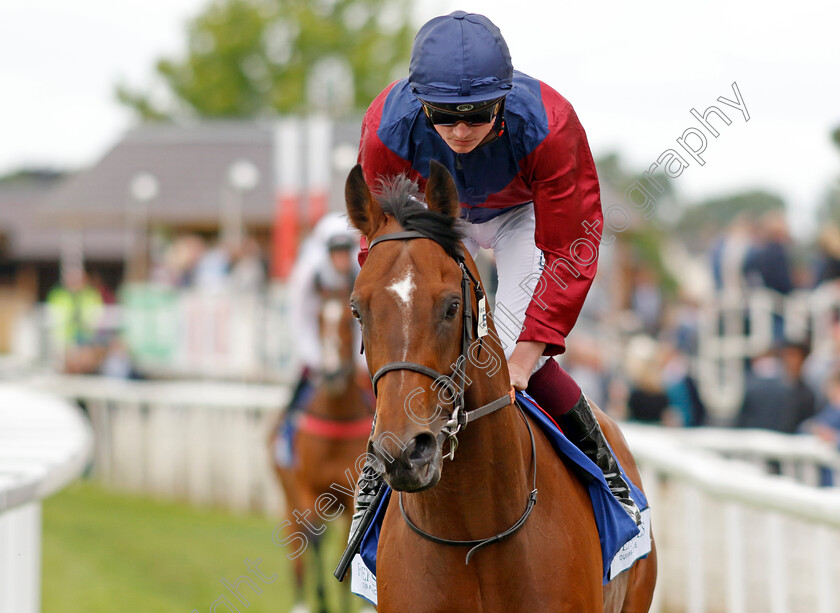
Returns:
(328, 442)
(416, 298)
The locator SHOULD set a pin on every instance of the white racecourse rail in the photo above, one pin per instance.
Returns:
(730, 536)
(733, 538)
(199, 441)
(45, 442)
(737, 325)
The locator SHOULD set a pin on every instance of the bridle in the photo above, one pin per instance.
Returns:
(454, 383)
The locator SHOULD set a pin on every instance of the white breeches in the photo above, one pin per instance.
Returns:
(511, 238)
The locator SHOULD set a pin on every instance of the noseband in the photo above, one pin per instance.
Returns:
(460, 417)
(453, 382)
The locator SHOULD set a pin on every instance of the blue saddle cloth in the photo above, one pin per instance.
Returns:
(615, 526)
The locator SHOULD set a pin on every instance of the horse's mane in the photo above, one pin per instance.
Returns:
(399, 196)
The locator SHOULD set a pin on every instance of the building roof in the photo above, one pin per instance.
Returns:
(191, 166)
(20, 198)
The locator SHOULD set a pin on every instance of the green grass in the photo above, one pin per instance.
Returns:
(107, 552)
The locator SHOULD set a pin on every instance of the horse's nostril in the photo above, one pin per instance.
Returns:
(421, 449)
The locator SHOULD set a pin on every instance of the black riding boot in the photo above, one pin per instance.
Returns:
(581, 427)
(368, 486)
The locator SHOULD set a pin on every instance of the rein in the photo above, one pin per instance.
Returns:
(460, 417)
(477, 544)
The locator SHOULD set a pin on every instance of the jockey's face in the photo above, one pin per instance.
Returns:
(340, 259)
(463, 137)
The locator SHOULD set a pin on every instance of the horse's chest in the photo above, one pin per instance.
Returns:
(415, 575)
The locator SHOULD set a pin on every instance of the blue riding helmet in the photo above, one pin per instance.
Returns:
(460, 58)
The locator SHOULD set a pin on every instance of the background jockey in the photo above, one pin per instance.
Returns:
(529, 191)
(327, 261)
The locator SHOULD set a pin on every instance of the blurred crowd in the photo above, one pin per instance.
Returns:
(635, 359)
(85, 325)
(191, 261)
(639, 366)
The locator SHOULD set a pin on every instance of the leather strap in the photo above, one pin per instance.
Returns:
(397, 236)
(429, 372)
(476, 544)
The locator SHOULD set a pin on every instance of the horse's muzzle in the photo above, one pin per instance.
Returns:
(413, 466)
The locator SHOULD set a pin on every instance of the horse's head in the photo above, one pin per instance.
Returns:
(411, 297)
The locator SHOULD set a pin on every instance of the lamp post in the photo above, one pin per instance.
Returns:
(143, 188)
(242, 176)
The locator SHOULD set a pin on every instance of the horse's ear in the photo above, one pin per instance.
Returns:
(362, 208)
(441, 193)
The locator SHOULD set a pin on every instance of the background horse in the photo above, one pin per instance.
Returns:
(330, 437)
(416, 303)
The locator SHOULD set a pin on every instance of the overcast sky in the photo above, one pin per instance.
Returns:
(633, 72)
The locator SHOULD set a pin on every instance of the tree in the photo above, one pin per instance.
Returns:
(640, 246)
(247, 58)
(702, 221)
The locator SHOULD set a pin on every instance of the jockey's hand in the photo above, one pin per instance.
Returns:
(522, 361)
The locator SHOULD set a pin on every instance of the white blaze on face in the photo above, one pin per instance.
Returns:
(404, 289)
(331, 318)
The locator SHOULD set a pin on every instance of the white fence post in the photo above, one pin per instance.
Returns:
(775, 528)
(824, 559)
(198, 441)
(736, 597)
(776, 572)
(695, 595)
(44, 444)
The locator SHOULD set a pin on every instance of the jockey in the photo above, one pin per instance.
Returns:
(529, 191)
(326, 261)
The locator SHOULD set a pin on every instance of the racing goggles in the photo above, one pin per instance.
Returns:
(473, 114)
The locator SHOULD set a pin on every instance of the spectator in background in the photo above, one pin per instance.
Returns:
(803, 399)
(777, 397)
(729, 253)
(248, 272)
(76, 309)
(768, 263)
(825, 358)
(826, 423)
(212, 270)
(681, 388)
(828, 265)
(105, 292)
(647, 400)
(647, 300)
(182, 256)
(585, 363)
(118, 362)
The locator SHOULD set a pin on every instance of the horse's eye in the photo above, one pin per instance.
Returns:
(452, 311)
(355, 312)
